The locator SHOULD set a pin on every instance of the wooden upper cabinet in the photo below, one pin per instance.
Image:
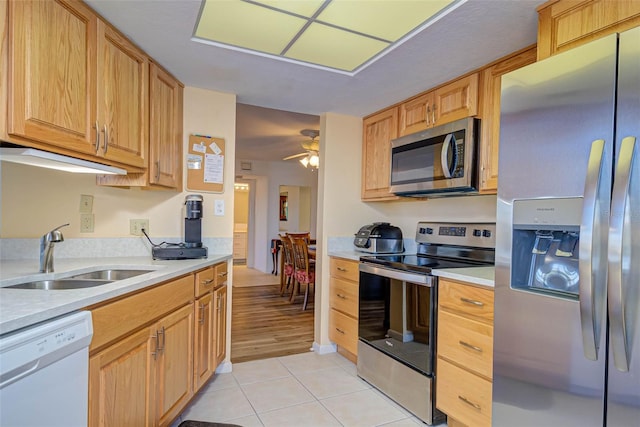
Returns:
(456, 100)
(123, 72)
(378, 131)
(416, 114)
(448, 103)
(165, 131)
(490, 115)
(565, 24)
(52, 68)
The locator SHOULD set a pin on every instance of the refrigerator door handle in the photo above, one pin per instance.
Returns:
(592, 275)
(619, 245)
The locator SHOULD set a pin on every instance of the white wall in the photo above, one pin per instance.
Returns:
(269, 177)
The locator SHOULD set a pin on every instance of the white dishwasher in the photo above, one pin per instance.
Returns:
(44, 373)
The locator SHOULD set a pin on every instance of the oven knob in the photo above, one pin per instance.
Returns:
(486, 233)
(477, 233)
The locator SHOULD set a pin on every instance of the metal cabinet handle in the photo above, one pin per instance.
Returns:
(161, 332)
(157, 170)
(472, 347)
(340, 330)
(471, 301)
(428, 113)
(592, 263)
(468, 402)
(97, 128)
(106, 138)
(341, 296)
(344, 270)
(621, 215)
(206, 282)
(434, 114)
(223, 274)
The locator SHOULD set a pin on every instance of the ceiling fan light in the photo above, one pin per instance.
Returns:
(305, 161)
(314, 160)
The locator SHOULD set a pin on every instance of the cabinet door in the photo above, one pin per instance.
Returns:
(121, 382)
(220, 342)
(378, 132)
(416, 114)
(203, 347)
(52, 73)
(175, 364)
(490, 114)
(456, 100)
(165, 129)
(123, 72)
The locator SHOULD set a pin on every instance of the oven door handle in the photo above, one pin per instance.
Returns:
(420, 279)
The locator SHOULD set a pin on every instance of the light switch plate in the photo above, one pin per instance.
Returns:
(218, 209)
(86, 204)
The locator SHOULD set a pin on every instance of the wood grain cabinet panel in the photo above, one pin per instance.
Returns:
(464, 369)
(490, 78)
(416, 114)
(456, 100)
(378, 131)
(203, 350)
(565, 24)
(344, 291)
(220, 314)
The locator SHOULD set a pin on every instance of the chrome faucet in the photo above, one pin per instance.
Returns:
(46, 248)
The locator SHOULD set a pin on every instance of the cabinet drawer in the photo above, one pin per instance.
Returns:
(343, 330)
(345, 269)
(466, 299)
(344, 296)
(221, 274)
(205, 281)
(463, 395)
(467, 342)
(121, 317)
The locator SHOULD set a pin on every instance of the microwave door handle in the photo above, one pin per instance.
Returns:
(592, 262)
(447, 170)
(621, 216)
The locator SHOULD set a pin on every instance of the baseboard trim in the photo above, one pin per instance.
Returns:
(324, 349)
(224, 368)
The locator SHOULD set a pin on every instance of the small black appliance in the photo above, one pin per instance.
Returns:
(192, 246)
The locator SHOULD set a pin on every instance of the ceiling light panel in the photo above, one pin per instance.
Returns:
(388, 20)
(321, 44)
(305, 8)
(247, 25)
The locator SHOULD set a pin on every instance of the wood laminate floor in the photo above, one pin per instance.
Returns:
(265, 325)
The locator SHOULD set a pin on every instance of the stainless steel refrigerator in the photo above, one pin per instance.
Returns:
(567, 295)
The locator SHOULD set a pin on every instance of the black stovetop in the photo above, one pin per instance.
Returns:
(416, 263)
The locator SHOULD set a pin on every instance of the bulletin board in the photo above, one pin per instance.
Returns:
(205, 164)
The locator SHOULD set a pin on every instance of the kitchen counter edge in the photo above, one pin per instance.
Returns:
(20, 308)
(484, 276)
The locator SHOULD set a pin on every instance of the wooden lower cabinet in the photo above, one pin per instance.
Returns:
(464, 367)
(343, 301)
(203, 352)
(146, 378)
(220, 321)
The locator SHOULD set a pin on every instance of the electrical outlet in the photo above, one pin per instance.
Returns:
(86, 204)
(136, 226)
(218, 208)
(86, 223)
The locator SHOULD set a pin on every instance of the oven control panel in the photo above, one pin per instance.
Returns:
(471, 234)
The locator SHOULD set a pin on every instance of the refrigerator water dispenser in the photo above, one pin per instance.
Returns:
(546, 234)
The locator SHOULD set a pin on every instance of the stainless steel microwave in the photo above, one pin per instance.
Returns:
(437, 161)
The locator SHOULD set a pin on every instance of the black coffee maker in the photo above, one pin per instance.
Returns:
(192, 246)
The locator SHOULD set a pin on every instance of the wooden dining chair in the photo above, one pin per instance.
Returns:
(304, 270)
(286, 275)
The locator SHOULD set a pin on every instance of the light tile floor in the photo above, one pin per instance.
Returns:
(300, 390)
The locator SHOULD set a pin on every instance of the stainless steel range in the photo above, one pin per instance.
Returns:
(397, 311)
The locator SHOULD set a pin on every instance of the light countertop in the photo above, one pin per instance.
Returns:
(24, 307)
(476, 275)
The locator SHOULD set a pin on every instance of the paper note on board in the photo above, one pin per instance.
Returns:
(213, 168)
(200, 148)
(215, 148)
(194, 161)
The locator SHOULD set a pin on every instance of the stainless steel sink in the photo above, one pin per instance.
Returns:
(110, 274)
(60, 284)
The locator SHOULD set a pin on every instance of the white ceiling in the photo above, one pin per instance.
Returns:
(476, 33)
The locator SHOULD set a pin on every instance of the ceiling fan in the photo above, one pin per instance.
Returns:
(311, 156)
